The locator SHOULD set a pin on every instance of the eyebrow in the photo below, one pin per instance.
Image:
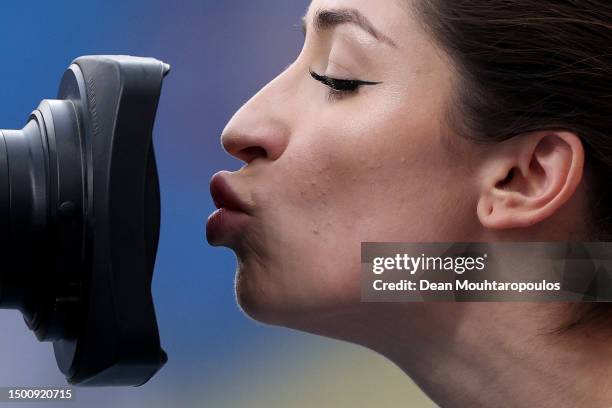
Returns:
(328, 19)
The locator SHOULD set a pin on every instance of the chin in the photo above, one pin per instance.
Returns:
(257, 300)
(270, 305)
(267, 303)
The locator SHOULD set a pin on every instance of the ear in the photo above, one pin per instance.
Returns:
(529, 178)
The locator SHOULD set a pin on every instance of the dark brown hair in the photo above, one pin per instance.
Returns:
(529, 65)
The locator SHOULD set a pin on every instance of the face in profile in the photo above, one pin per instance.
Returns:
(429, 121)
(331, 162)
(351, 144)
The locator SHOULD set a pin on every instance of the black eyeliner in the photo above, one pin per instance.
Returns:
(341, 84)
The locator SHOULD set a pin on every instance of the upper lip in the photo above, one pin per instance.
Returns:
(223, 195)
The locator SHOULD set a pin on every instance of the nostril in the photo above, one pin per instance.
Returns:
(251, 153)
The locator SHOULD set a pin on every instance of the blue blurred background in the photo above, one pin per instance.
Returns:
(221, 53)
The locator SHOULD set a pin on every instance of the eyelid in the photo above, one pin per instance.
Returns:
(348, 83)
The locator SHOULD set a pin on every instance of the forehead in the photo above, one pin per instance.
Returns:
(393, 17)
(416, 51)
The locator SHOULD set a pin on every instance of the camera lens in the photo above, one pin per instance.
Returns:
(79, 220)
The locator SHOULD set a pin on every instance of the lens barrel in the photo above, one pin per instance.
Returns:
(42, 183)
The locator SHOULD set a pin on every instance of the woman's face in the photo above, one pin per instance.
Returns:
(326, 169)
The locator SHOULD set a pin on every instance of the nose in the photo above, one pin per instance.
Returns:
(260, 128)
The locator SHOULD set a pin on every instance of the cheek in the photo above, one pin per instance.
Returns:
(365, 179)
(340, 185)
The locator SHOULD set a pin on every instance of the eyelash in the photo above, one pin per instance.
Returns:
(340, 87)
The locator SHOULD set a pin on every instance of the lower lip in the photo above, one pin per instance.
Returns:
(224, 224)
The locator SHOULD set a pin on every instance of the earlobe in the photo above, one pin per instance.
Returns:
(529, 179)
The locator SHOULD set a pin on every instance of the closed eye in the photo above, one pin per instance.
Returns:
(341, 85)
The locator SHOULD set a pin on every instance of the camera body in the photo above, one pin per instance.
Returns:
(80, 214)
